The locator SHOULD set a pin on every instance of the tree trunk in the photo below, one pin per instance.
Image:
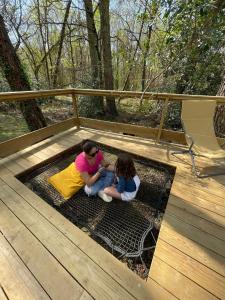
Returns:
(145, 55)
(94, 55)
(219, 119)
(62, 35)
(17, 79)
(107, 55)
(43, 44)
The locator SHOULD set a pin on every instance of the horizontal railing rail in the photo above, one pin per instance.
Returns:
(26, 95)
(13, 145)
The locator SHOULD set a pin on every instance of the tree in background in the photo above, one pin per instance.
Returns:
(160, 46)
(92, 106)
(18, 80)
(107, 55)
(96, 48)
(219, 119)
(196, 38)
(61, 39)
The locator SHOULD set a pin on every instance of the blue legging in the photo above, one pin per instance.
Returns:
(105, 180)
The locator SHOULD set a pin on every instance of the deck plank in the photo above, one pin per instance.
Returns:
(187, 243)
(212, 185)
(192, 269)
(196, 210)
(192, 230)
(17, 281)
(206, 240)
(3, 296)
(85, 296)
(176, 283)
(55, 280)
(179, 187)
(185, 194)
(196, 221)
(80, 266)
(105, 260)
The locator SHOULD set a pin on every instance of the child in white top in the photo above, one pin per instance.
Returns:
(128, 181)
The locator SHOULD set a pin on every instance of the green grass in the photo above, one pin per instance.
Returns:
(11, 126)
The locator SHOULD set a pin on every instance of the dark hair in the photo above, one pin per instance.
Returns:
(124, 166)
(87, 145)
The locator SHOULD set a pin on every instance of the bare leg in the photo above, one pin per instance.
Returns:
(112, 191)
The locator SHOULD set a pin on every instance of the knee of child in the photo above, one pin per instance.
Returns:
(106, 190)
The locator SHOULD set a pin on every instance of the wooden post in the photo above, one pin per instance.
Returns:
(162, 119)
(75, 109)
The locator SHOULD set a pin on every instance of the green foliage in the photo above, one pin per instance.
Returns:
(196, 42)
(185, 50)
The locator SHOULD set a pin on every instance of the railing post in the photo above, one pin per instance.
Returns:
(75, 109)
(164, 112)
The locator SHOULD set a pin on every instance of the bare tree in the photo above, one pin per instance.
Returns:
(43, 38)
(95, 56)
(107, 55)
(62, 36)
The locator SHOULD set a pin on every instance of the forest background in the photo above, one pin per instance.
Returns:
(172, 46)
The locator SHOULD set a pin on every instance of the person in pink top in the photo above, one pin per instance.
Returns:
(94, 170)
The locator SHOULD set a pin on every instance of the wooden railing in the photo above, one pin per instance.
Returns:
(21, 142)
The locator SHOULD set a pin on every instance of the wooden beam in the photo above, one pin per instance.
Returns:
(142, 131)
(75, 109)
(26, 95)
(17, 280)
(164, 112)
(21, 142)
(146, 132)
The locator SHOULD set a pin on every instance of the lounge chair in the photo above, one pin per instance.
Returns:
(197, 119)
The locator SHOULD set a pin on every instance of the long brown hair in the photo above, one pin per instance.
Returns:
(124, 166)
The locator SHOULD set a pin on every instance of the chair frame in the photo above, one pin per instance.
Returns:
(193, 154)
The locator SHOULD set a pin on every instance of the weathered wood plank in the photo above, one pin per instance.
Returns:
(3, 294)
(151, 133)
(85, 296)
(206, 240)
(186, 194)
(176, 283)
(101, 257)
(214, 185)
(197, 191)
(55, 280)
(192, 248)
(192, 269)
(79, 265)
(190, 205)
(193, 208)
(17, 285)
(24, 95)
(196, 221)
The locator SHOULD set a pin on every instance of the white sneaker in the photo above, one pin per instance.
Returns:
(104, 197)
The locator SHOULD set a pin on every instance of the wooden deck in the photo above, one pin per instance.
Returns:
(43, 256)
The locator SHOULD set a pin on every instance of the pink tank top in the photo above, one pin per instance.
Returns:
(83, 165)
